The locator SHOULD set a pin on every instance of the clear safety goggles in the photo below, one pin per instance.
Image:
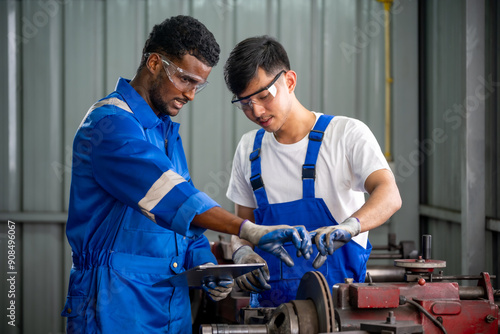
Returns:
(260, 97)
(182, 79)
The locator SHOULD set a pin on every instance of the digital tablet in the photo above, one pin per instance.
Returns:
(196, 276)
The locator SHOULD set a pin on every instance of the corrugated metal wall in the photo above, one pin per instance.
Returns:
(460, 189)
(445, 88)
(59, 56)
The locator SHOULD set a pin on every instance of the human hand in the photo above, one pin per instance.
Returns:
(330, 238)
(218, 290)
(272, 238)
(256, 280)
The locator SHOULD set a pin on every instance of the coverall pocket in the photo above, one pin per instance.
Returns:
(74, 310)
(74, 306)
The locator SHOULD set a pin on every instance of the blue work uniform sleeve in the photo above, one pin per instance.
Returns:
(199, 253)
(139, 174)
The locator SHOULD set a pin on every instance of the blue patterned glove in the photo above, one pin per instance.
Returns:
(330, 238)
(271, 239)
(218, 290)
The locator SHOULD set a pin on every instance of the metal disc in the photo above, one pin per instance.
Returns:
(420, 264)
(314, 286)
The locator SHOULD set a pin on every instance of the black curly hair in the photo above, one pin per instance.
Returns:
(180, 35)
(250, 54)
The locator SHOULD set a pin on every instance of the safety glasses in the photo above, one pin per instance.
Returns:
(261, 97)
(182, 79)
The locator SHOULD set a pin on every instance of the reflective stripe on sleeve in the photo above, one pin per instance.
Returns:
(111, 101)
(160, 188)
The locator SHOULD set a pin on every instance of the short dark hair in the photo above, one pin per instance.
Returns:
(250, 54)
(180, 35)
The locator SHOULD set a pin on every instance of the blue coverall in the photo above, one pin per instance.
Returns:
(349, 261)
(131, 205)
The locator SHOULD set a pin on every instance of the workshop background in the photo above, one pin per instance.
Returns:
(426, 83)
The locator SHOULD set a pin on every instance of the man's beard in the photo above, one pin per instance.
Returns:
(156, 100)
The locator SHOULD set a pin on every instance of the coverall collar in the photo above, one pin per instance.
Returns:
(139, 106)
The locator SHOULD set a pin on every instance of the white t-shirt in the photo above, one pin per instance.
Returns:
(349, 153)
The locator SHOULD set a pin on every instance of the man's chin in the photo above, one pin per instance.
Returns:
(172, 112)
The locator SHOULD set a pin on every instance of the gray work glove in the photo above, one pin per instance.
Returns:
(256, 280)
(271, 239)
(330, 238)
(218, 290)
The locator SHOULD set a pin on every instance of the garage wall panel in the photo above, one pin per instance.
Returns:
(10, 127)
(42, 278)
(42, 108)
(211, 150)
(251, 18)
(338, 90)
(446, 93)
(84, 48)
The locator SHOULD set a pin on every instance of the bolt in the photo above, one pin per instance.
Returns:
(391, 319)
(489, 318)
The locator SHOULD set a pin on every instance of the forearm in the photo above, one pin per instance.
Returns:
(383, 202)
(220, 220)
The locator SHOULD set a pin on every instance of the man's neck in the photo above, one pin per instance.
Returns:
(297, 126)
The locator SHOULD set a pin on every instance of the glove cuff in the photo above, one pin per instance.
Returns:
(353, 226)
(241, 226)
(247, 232)
(240, 252)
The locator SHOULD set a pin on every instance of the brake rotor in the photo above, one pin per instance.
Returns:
(313, 286)
(419, 265)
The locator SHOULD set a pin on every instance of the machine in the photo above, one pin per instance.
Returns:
(423, 302)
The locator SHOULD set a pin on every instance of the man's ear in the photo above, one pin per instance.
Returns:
(154, 63)
(291, 80)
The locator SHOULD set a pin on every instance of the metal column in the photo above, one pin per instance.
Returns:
(473, 159)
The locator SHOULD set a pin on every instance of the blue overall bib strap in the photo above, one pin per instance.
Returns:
(309, 167)
(256, 177)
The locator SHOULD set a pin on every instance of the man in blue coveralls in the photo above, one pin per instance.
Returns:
(135, 217)
(302, 166)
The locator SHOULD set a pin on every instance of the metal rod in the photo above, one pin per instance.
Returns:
(385, 274)
(471, 292)
(233, 329)
(459, 277)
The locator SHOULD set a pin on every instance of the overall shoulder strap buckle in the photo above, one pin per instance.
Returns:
(316, 135)
(308, 171)
(256, 182)
(255, 154)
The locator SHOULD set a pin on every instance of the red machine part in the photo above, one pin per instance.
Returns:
(370, 304)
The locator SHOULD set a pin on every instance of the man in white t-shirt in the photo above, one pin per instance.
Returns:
(302, 168)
